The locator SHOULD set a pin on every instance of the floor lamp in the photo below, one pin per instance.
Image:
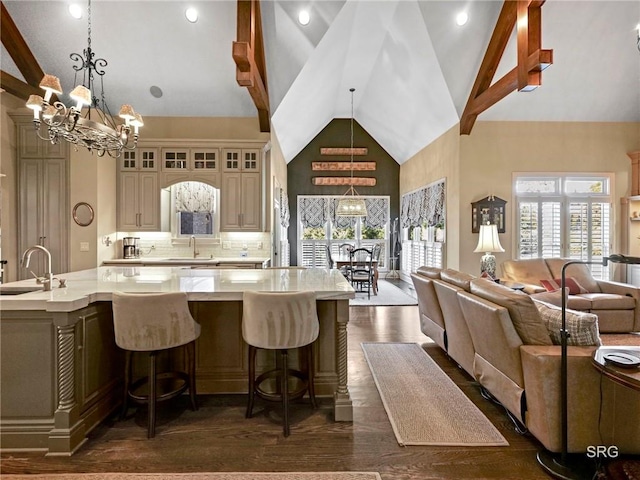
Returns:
(563, 465)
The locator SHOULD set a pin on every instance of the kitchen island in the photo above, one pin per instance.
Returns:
(62, 372)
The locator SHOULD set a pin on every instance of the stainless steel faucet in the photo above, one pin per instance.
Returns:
(48, 276)
(195, 252)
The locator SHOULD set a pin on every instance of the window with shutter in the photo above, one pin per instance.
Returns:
(564, 216)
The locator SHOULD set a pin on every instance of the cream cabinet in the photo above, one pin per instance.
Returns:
(43, 199)
(190, 165)
(138, 191)
(241, 192)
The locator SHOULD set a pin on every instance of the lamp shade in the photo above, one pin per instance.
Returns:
(35, 102)
(82, 95)
(51, 83)
(126, 112)
(351, 206)
(488, 240)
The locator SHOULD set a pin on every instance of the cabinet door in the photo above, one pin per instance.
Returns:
(43, 213)
(149, 203)
(251, 160)
(231, 160)
(30, 146)
(128, 196)
(250, 217)
(55, 213)
(230, 202)
(30, 226)
(175, 159)
(204, 160)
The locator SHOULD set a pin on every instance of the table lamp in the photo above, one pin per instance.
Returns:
(488, 242)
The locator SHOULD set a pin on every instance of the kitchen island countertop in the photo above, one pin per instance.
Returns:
(87, 286)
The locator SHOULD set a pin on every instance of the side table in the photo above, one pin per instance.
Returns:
(629, 377)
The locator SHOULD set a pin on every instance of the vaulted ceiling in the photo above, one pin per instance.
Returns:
(411, 65)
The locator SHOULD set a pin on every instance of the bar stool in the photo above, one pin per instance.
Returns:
(280, 321)
(153, 322)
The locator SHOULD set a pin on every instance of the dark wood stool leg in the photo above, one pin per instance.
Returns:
(285, 392)
(127, 383)
(310, 371)
(151, 427)
(252, 380)
(191, 360)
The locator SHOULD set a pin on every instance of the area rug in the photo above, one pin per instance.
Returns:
(388, 294)
(424, 406)
(204, 476)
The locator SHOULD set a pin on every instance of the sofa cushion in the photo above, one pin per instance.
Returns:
(522, 310)
(574, 287)
(530, 270)
(582, 326)
(459, 279)
(580, 272)
(610, 301)
(431, 272)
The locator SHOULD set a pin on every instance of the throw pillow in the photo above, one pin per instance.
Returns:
(581, 326)
(571, 283)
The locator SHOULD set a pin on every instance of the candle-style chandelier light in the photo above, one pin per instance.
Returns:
(100, 134)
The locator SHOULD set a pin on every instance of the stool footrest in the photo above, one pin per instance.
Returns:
(174, 377)
(276, 396)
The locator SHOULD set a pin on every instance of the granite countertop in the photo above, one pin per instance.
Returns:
(185, 261)
(97, 284)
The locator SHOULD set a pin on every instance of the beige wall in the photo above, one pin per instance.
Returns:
(439, 160)
(203, 128)
(489, 157)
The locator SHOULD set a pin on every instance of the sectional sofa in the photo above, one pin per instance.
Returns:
(503, 339)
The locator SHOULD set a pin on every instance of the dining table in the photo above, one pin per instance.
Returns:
(345, 261)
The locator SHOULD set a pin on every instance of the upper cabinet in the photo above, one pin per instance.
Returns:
(241, 205)
(138, 191)
(237, 172)
(30, 146)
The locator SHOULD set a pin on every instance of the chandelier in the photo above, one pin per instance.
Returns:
(351, 204)
(100, 134)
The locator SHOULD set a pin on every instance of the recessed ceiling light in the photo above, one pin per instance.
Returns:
(75, 10)
(462, 18)
(303, 17)
(191, 14)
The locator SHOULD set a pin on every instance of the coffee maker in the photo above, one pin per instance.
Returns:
(130, 247)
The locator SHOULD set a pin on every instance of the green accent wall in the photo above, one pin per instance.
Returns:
(338, 134)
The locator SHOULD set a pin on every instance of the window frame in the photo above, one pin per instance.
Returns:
(565, 199)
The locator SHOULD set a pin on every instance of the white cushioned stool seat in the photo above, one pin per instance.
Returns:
(280, 321)
(153, 322)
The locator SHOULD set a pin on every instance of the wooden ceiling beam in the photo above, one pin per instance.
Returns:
(248, 54)
(17, 87)
(18, 49)
(526, 15)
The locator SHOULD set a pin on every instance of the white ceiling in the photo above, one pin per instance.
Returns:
(411, 66)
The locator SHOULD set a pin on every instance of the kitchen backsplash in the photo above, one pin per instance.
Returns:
(161, 245)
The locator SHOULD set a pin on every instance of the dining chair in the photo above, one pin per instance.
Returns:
(330, 262)
(361, 267)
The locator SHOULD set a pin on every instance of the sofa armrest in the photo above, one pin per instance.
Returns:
(596, 403)
(618, 288)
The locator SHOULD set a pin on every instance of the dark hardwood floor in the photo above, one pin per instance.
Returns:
(219, 438)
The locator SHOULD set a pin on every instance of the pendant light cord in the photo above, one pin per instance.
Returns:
(351, 150)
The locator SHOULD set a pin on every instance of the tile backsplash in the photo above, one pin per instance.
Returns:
(161, 245)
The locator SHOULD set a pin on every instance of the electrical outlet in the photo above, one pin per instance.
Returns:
(84, 246)
(226, 245)
(260, 246)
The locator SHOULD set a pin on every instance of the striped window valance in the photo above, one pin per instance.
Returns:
(424, 207)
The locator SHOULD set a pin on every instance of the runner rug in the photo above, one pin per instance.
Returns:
(424, 406)
(203, 476)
